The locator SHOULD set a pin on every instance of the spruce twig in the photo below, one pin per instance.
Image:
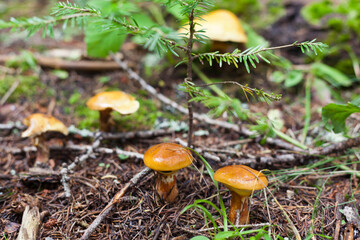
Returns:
(189, 74)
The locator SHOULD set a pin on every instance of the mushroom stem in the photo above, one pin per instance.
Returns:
(239, 209)
(166, 186)
(104, 119)
(43, 151)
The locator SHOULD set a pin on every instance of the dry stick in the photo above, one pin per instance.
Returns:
(339, 200)
(30, 224)
(113, 201)
(200, 117)
(104, 135)
(285, 158)
(9, 92)
(205, 154)
(352, 142)
(58, 63)
(75, 148)
(66, 169)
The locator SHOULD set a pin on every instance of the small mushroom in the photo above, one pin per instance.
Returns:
(106, 102)
(220, 26)
(241, 181)
(166, 159)
(38, 124)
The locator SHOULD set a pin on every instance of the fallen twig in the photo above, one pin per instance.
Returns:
(199, 150)
(104, 135)
(248, 160)
(66, 169)
(58, 63)
(337, 147)
(114, 201)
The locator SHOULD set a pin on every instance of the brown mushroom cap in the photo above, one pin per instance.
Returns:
(167, 157)
(220, 25)
(39, 123)
(116, 100)
(241, 179)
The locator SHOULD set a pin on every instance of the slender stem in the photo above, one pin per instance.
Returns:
(239, 209)
(43, 151)
(307, 108)
(166, 187)
(189, 74)
(104, 120)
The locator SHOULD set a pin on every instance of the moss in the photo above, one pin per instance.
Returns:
(28, 87)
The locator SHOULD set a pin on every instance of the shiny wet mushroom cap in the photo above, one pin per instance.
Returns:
(167, 159)
(241, 180)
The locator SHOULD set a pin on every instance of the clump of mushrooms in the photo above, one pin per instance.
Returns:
(106, 102)
(38, 124)
(166, 159)
(241, 180)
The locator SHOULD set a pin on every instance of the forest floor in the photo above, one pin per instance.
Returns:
(311, 189)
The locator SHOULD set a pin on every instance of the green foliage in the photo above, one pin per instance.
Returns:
(24, 62)
(330, 74)
(249, 10)
(28, 83)
(28, 87)
(290, 78)
(335, 115)
(344, 15)
(251, 56)
(95, 40)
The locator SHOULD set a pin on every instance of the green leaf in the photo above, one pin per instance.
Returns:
(293, 78)
(225, 235)
(337, 114)
(277, 76)
(74, 98)
(315, 11)
(199, 238)
(330, 74)
(100, 43)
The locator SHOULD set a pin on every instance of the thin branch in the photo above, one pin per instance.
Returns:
(133, 181)
(237, 54)
(259, 92)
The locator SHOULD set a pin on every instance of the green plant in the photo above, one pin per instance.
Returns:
(107, 19)
(334, 115)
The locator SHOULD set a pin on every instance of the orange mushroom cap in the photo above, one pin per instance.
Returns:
(220, 25)
(39, 123)
(241, 179)
(116, 100)
(167, 157)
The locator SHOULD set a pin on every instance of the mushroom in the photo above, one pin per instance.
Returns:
(166, 159)
(106, 102)
(220, 25)
(38, 124)
(241, 180)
